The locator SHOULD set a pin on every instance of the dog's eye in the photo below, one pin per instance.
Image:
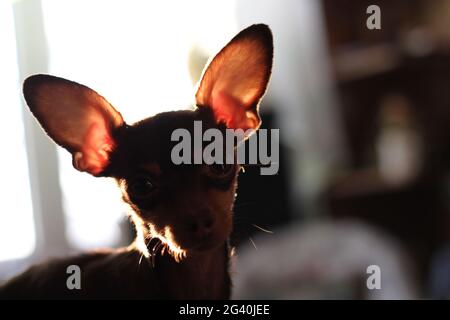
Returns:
(221, 170)
(141, 186)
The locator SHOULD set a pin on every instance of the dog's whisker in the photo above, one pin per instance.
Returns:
(262, 229)
(253, 243)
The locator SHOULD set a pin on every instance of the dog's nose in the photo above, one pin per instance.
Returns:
(201, 223)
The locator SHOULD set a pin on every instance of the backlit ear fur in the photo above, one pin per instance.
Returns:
(237, 77)
(75, 117)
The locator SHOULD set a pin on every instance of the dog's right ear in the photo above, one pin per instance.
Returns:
(236, 79)
(75, 117)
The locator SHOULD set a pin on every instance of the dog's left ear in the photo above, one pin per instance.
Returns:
(236, 79)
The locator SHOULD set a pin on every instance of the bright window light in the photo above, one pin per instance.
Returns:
(135, 53)
(17, 234)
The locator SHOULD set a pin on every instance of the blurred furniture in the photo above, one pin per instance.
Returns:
(407, 57)
(323, 260)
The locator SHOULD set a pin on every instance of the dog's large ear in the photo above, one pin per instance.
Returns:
(75, 117)
(237, 77)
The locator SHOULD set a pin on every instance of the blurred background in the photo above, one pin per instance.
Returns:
(364, 119)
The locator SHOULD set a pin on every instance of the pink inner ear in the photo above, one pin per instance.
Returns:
(230, 111)
(95, 151)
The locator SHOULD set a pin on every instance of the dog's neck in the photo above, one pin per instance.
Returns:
(197, 276)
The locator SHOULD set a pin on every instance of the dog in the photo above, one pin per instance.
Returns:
(182, 212)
